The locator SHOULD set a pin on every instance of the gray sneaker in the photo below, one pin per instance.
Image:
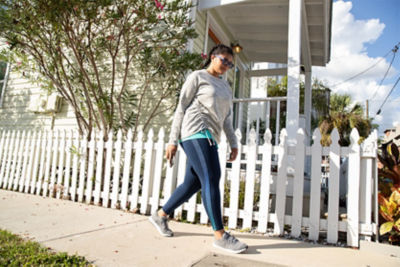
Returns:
(230, 243)
(161, 224)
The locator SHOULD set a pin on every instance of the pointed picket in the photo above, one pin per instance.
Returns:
(36, 164)
(75, 160)
(17, 175)
(222, 155)
(235, 183)
(68, 149)
(60, 174)
(158, 171)
(90, 174)
(39, 183)
(99, 169)
(134, 197)
(2, 142)
(117, 171)
(333, 200)
(49, 155)
(170, 179)
(298, 184)
(265, 182)
(56, 151)
(250, 179)
(147, 173)
(24, 167)
(11, 153)
(5, 149)
(315, 191)
(126, 171)
(181, 176)
(281, 185)
(29, 170)
(353, 190)
(108, 166)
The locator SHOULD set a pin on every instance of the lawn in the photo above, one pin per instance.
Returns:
(16, 251)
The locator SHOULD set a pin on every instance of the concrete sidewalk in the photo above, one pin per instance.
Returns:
(110, 237)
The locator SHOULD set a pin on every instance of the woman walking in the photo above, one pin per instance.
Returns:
(204, 110)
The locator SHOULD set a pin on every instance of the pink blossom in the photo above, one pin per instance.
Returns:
(159, 17)
(204, 56)
(159, 5)
(7, 43)
(19, 63)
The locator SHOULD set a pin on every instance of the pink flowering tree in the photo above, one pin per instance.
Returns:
(118, 63)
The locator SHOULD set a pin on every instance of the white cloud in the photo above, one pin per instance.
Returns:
(349, 57)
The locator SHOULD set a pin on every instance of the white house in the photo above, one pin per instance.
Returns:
(291, 33)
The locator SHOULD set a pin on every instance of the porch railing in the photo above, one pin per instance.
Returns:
(256, 190)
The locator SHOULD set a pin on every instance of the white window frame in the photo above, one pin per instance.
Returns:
(4, 81)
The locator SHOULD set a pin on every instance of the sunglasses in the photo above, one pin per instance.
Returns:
(225, 61)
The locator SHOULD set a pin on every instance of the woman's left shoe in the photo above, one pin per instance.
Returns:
(230, 243)
(161, 224)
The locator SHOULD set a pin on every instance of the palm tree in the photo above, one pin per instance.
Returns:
(344, 117)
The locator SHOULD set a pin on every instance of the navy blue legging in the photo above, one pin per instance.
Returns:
(202, 172)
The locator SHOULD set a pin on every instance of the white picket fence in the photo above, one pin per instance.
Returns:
(262, 189)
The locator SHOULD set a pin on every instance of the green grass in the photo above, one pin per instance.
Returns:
(15, 251)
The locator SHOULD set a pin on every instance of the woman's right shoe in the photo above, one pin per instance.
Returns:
(230, 244)
(161, 224)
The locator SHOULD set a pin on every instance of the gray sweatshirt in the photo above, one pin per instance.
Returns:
(205, 103)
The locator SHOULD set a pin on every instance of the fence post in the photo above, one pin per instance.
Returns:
(353, 181)
(42, 163)
(333, 197)
(368, 169)
(265, 182)
(298, 185)
(281, 185)
(75, 157)
(28, 174)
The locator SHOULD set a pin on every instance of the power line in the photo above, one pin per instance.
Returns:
(394, 50)
(391, 90)
(367, 69)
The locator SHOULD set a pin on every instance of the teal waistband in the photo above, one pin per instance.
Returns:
(199, 135)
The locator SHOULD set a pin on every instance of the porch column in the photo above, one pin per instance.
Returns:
(293, 64)
(307, 106)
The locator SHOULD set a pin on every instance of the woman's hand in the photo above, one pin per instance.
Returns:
(170, 153)
(233, 155)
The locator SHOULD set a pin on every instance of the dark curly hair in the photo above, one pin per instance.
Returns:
(216, 50)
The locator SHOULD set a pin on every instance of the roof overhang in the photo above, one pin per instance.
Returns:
(261, 28)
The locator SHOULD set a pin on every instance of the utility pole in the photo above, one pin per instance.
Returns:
(367, 109)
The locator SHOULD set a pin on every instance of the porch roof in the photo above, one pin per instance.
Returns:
(261, 28)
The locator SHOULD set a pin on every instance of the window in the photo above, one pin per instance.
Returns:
(4, 69)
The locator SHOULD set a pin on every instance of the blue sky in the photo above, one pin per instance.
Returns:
(363, 32)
